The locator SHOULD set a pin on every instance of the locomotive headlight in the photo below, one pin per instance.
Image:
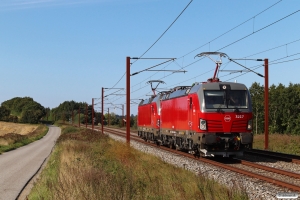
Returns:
(249, 126)
(202, 124)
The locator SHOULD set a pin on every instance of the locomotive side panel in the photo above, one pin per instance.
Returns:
(166, 114)
(179, 113)
(144, 115)
(149, 118)
(155, 118)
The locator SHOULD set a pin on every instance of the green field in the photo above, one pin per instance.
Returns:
(279, 142)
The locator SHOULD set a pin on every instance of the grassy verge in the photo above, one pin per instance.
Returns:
(12, 141)
(279, 143)
(87, 165)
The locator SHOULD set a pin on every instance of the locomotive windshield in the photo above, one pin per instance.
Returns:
(225, 99)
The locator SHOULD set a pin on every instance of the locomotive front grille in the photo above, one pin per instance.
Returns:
(217, 126)
(214, 126)
(239, 126)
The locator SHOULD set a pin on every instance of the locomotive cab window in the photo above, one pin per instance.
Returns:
(237, 98)
(215, 99)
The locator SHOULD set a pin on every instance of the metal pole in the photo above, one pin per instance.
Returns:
(128, 100)
(95, 120)
(92, 113)
(266, 104)
(123, 115)
(102, 109)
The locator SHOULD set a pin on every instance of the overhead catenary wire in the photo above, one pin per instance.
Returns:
(270, 49)
(273, 48)
(246, 36)
(207, 42)
(167, 29)
(254, 68)
(158, 38)
(258, 30)
(235, 28)
(252, 33)
(270, 63)
(232, 29)
(257, 66)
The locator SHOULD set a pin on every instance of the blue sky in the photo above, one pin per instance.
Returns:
(63, 50)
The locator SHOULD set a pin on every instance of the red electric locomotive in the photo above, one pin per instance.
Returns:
(212, 118)
(149, 114)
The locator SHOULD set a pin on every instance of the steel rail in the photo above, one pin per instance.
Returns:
(269, 169)
(275, 155)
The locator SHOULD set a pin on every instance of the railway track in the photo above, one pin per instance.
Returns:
(274, 155)
(269, 169)
(295, 177)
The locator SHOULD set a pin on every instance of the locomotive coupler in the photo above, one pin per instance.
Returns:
(226, 143)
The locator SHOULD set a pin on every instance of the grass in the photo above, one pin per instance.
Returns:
(13, 141)
(279, 143)
(89, 165)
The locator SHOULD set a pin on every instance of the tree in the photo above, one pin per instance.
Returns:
(47, 110)
(4, 113)
(291, 107)
(90, 114)
(276, 100)
(32, 113)
(284, 108)
(257, 97)
(112, 118)
(29, 116)
(23, 108)
(133, 121)
(65, 109)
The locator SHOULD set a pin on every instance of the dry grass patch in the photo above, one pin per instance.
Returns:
(21, 129)
(10, 141)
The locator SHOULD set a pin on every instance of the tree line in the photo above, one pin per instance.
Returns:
(284, 107)
(73, 112)
(284, 110)
(26, 110)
